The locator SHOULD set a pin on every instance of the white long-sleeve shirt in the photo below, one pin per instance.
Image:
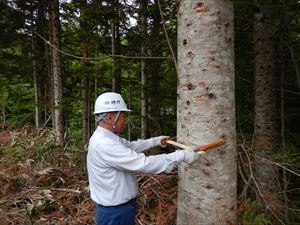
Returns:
(111, 162)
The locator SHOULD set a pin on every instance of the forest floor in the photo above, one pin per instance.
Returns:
(44, 185)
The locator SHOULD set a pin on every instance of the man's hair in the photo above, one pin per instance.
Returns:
(100, 116)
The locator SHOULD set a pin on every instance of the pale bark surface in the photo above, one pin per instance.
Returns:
(56, 73)
(206, 111)
(37, 116)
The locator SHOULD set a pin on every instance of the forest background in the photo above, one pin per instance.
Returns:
(57, 57)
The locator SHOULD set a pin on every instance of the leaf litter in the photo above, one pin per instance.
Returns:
(38, 191)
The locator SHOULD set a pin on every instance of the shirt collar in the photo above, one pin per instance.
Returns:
(107, 133)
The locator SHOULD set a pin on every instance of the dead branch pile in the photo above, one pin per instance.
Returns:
(49, 196)
(157, 199)
(60, 196)
(40, 185)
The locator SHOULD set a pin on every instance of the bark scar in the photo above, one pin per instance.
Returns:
(202, 9)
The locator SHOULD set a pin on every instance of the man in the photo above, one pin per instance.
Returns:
(112, 162)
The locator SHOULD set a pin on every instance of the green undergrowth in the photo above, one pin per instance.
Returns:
(252, 212)
(39, 148)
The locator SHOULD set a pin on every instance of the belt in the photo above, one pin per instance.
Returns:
(132, 201)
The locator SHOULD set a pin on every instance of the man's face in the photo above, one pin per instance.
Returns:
(120, 124)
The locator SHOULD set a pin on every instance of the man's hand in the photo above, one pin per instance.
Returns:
(188, 155)
(158, 140)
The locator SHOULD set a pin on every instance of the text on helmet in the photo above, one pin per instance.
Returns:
(112, 102)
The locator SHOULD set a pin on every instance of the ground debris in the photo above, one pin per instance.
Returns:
(157, 199)
(41, 185)
(26, 199)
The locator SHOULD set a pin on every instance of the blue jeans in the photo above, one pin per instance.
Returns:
(123, 214)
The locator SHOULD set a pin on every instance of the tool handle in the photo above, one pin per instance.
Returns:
(179, 145)
(200, 150)
(165, 141)
(210, 146)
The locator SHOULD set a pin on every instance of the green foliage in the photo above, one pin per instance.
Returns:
(252, 212)
(39, 147)
(288, 154)
(16, 93)
(11, 21)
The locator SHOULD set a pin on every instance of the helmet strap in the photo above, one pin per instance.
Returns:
(116, 119)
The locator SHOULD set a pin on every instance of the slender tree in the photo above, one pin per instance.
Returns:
(39, 60)
(155, 64)
(282, 55)
(37, 89)
(206, 111)
(264, 131)
(115, 47)
(85, 81)
(56, 72)
(144, 99)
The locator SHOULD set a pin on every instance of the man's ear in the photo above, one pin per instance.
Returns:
(110, 116)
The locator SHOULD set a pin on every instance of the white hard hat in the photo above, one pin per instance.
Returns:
(110, 102)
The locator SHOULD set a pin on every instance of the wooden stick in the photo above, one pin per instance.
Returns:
(164, 141)
(177, 144)
(201, 149)
(210, 146)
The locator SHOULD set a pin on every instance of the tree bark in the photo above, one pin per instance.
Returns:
(115, 43)
(39, 62)
(37, 116)
(85, 81)
(264, 123)
(56, 73)
(144, 99)
(155, 65)
(206, 112)
(282, 55)
(85, 97)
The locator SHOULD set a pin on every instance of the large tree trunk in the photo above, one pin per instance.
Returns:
(264, 130)
(206, 112)
(56, 73)
(144, 105)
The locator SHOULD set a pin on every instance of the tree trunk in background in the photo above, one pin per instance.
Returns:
(85, 81)
(264, 130)
(115, 49)
(37, 88)
(85, 98)
(144, 105)
(206, 112)
(56, 73)
(49, 86)
(39, 63)
(282, 63)
(155, 65)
